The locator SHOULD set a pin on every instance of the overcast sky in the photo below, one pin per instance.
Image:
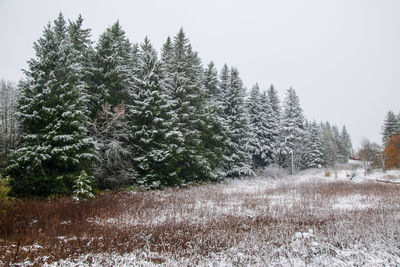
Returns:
(341, 56)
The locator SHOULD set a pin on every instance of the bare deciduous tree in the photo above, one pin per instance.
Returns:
(113, 167)
(369, 154)
(8, 118)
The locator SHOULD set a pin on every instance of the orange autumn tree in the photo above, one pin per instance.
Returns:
(392, 152)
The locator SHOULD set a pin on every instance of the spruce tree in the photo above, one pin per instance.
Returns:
(111, 101)
(257, 127)
(390, 126)
(276, 114)
(214, 129)
(112, 69)
(154, 148)
(271, 130)
(259, 112)
(55, 147)
(314, 156)
(224, 79)
(292, 130)
(347, 147)
(275, 102)
(182, 79)
(237, 158)
(211, 84)
(83, 52)
(329, 143)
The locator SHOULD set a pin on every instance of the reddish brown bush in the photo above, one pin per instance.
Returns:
(198, 221)
(392, 152)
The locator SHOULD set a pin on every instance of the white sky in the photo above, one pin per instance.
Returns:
(341, 56)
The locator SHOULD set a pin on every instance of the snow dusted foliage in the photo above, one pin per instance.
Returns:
(151, 122)
(337, 146)
(347, 145)
(224, 80)
(113, 167)
(341, 144)
(112, 68)
(390, 126)
(313, 156)
(292, 131)
(214, 127)
(82, 187)
(211, 84)
(237, 158)
(52, 109)
(330, 147)
(256, 139)
(275, 102)
(182, 79)
(83, 53)
(276, 114)
(260, 112)
(271, 128)
(154, 149)
(344, 144)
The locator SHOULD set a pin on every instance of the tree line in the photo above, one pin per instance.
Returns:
(114, 113)
(387, 154)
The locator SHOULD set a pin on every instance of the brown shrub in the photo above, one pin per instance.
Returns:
(196, 221)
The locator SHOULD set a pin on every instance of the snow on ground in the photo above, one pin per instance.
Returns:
(316, 195)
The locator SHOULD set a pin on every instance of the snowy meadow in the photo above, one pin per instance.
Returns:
(317, 217)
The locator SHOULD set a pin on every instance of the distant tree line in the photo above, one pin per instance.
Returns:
(387, 155)
(114, 114)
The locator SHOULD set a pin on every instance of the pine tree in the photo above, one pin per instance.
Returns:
(279, 153)
(55, 147)
(292, 130)
(224, 80)
(274, 99)
(237, 158)
(390, 126)
(256, 142)
(154, 142)
(214, 129)
(82, 188)
(262, 140)
(347, 147)
(221, 105)
(271, 130)
(183, 82)
(329, 143)
(338, 144)
(82, 51)
(314, 156)
(211, 84)
(110, 103)
(112, 69)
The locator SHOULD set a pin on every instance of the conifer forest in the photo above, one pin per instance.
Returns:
(115, 113)
(113, 153)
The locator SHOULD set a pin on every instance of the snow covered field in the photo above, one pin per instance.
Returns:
(315, 218)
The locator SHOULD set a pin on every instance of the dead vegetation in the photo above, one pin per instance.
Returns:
(274, 222)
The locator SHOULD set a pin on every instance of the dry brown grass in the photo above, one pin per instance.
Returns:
(209, 220)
